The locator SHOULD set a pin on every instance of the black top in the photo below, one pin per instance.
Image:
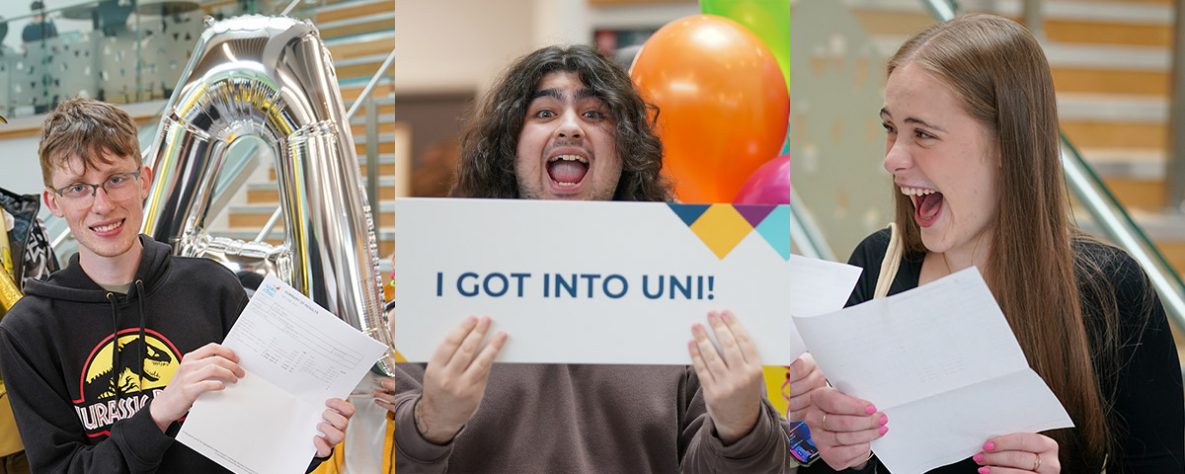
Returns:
(81, 405)
(1148, 415)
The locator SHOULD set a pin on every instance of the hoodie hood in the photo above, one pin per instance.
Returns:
(73, 284)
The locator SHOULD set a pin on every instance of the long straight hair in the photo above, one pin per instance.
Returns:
(998, 70)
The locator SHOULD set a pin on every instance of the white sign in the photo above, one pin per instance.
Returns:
(603, 282)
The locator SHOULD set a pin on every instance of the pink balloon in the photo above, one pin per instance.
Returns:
(770, 184)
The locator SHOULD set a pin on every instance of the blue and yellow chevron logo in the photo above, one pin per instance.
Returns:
(722, 226)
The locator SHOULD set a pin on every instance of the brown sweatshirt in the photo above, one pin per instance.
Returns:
(586, 418)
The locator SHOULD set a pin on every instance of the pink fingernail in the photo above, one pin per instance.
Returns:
(727, 316)
(989, 446)
(984, 470)
(870, 409)
(978, 457)
(883, 430)
(884, 420)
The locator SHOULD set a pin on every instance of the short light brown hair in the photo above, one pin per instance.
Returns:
(85, 129)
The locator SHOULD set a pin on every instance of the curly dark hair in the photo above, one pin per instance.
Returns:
(488, 146)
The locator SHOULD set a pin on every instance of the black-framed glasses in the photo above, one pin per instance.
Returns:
(116, 186)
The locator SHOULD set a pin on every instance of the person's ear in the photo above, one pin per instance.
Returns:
(145, 181)
(51, 202)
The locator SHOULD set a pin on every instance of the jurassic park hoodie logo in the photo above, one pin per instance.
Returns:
(114, 386)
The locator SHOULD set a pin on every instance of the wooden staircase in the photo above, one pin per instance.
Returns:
(359, 35)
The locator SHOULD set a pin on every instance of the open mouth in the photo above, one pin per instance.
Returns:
(567, 170)
(109, 229)
(927, 204)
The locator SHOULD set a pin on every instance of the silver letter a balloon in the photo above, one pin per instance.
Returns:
(271, 78)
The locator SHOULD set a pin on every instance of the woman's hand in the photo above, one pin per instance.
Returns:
(1019, 453)
(843, 427)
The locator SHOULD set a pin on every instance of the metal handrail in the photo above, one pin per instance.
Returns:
(805, 232)
(362, 97)
(1108, 213)
(288, 9)
(374, 80)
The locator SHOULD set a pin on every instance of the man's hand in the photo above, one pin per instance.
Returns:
(731, 379)
(804, 378)
(455, 380)
(332, 428)
(207, 369)
(843, 428)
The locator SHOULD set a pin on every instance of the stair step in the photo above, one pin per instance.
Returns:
(361, 45)
(356, 26)
(1137, 193)
(268, 193)
(1103, 133)
(352, 88)
(1109, 32)
(354, 9)
(387, 166)
(358, 130)
(1114, 107)
(1127, 12)
(386, 241)
(254, 216)
(364, 66)
(1137, 163)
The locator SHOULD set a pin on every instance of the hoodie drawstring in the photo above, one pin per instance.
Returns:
(143, 341)
(112, 298)
(114, 343)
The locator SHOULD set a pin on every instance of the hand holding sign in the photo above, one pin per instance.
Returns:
(731, 378)
(455, 379)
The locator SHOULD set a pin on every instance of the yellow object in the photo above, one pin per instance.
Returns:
(775, 378)
(5, 247)
(10, 439)
(9, 293)
(333, 465)
(389, 446)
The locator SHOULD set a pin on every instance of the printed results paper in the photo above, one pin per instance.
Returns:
(296, 355)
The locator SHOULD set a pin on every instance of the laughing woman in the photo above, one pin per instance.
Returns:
(972, 144)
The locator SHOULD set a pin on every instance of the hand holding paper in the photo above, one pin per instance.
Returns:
(1021, 451)
(209, 368)
(803, 379)
(843, 427)
(295, 355)
(332, 429)
(926, 357)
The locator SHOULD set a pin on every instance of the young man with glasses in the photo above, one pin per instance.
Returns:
(103, 360)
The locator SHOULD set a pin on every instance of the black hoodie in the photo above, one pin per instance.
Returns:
(57, 359)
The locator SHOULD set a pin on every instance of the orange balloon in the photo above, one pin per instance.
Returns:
(723, 104)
